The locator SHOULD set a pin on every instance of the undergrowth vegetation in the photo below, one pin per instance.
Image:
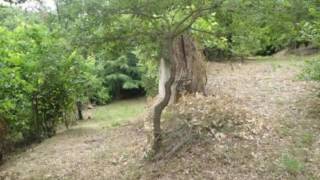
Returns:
(40, 80)
(219, 117)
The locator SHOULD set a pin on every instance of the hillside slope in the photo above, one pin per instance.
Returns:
(278, 138)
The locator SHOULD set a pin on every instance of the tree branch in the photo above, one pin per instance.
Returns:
(186, 19)
(203, 31)
(139, 13)
(193, 16)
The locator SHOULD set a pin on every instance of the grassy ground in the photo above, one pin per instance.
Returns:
(94, 148)
(115, 114)
(279, 139)
(289, 60)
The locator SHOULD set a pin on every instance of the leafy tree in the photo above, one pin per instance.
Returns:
(265, 27)
(160, 22)
(40, 80)
(84, 22)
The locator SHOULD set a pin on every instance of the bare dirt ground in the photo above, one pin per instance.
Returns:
(283, 143)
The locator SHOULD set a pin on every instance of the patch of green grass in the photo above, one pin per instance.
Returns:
(284, 131)
(289, 60)
(132, 172)
(286, 128)
(115, 124)
(305, 139)
(275, 66)
(118, 112)
(312, 177)
(167, 115)
(290, 164)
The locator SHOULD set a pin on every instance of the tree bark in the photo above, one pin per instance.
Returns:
(3, 134)
(164, 75)
(163, 101)
(79, 109)
(35, 116)
(190, 68)
(181, 69)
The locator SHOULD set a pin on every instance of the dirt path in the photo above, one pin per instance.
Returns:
(287, 147)
(79, 153)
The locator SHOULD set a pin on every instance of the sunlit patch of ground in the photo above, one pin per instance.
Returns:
(115, 114)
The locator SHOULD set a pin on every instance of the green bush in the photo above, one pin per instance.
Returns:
(311, 70)
(40, 81)
(291, 165)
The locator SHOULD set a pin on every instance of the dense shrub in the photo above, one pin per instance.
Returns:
(40, 81)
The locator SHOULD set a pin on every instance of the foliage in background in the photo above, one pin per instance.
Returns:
(148, 66)
(311, 29)
(86, 26)
(252, 27)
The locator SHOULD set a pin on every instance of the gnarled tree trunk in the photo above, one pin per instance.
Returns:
(182, 69)
(191, 74)
(3, 134)
(167, 78)
(79, 110)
